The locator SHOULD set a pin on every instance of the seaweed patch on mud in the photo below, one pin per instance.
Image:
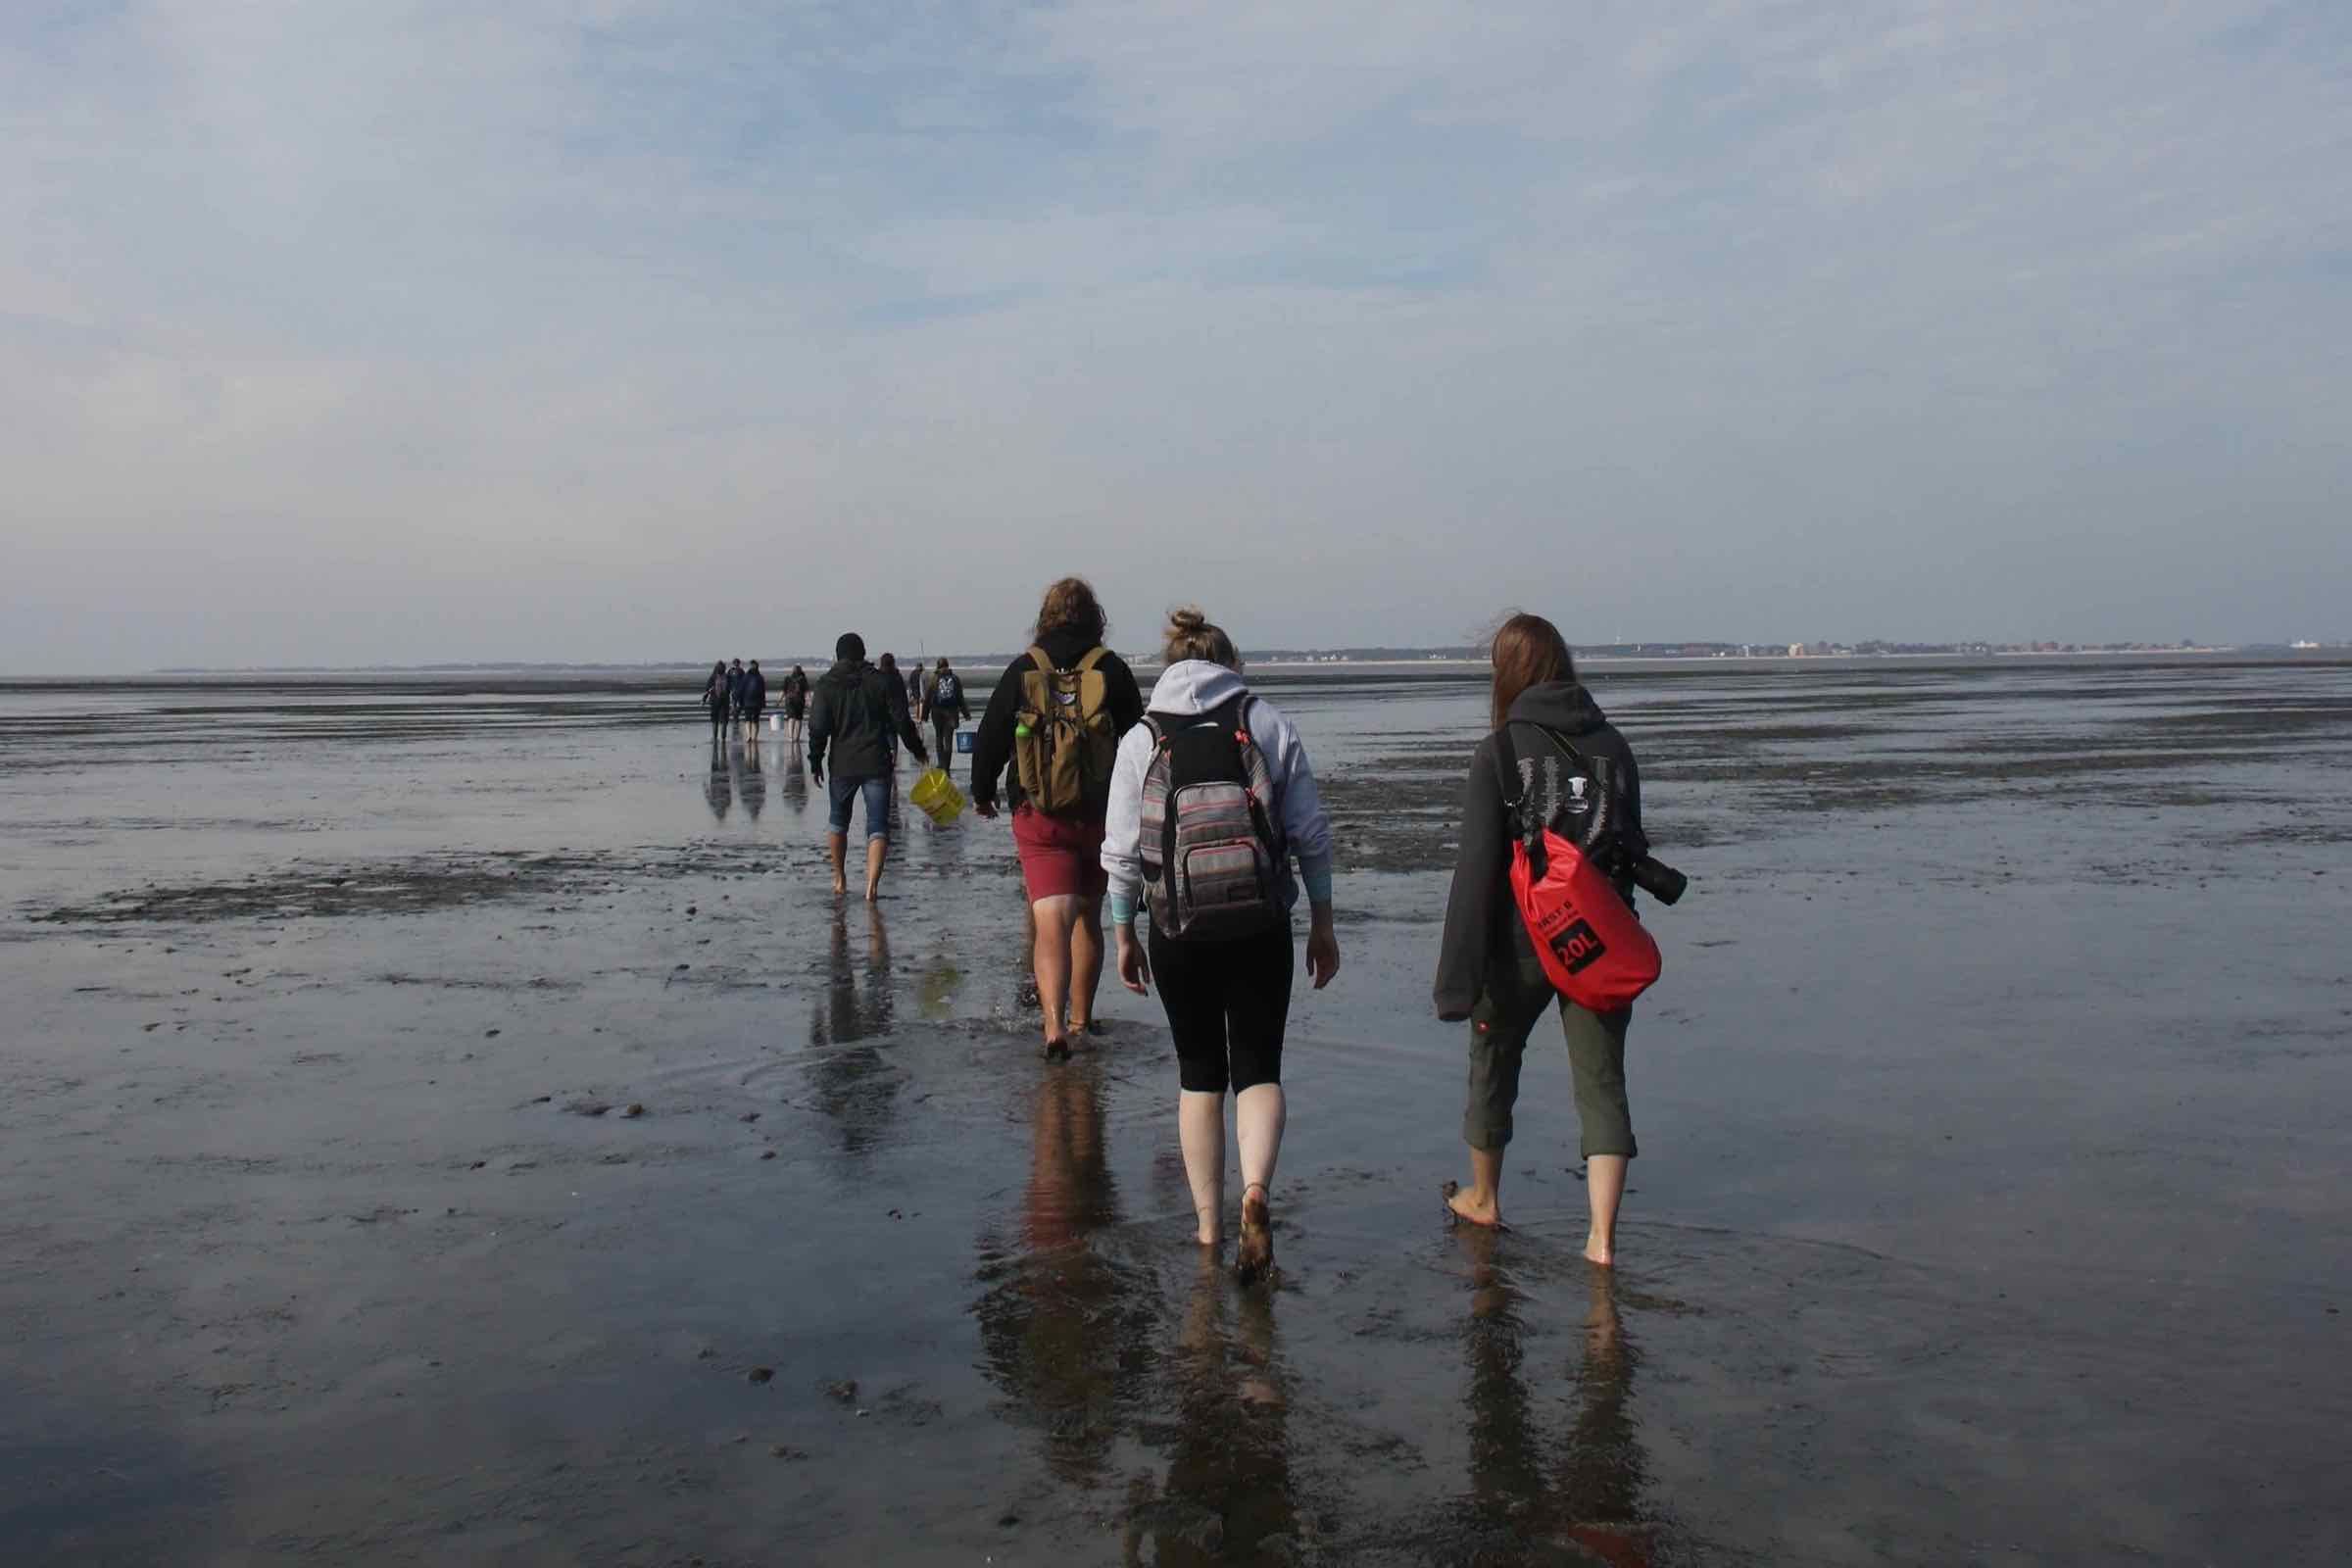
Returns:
(309, 891)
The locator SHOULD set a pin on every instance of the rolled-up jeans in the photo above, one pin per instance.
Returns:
(1515, 999)
(843, 792)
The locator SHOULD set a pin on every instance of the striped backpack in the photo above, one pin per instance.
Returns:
(1213, 856)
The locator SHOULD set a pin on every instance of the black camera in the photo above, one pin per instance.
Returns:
(1659, 880)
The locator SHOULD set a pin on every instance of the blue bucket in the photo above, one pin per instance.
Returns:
(964, 742)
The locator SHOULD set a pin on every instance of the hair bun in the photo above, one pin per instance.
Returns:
(1188, 619)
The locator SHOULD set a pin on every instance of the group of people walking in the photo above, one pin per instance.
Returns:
(1197, 807)
(738, 695)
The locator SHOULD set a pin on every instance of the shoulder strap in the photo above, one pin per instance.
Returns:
(1042, 659)
(1507, 753)
(1094, 656)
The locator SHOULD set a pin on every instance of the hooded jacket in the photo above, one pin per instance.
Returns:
(1187, 689)
(750, 693)
(1483, 928)
(992, 744)
(855, 709)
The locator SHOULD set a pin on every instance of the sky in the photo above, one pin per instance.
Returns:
(401, 330)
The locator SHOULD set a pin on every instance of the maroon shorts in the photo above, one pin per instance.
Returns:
(1060, 856)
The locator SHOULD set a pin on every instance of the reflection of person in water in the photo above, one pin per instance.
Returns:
(1594, 1496)
(1060, 1325)
(855, 1087)
(718, 788)
(1228, 1456)
(794, 785)
(750, 786)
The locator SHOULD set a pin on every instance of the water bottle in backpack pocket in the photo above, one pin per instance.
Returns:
(1212, 856)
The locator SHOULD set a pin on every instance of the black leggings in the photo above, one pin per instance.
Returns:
(1225, 1000)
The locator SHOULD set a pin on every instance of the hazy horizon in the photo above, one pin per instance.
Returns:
(585, 331)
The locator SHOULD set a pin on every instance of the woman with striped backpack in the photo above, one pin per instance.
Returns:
(1211, 802)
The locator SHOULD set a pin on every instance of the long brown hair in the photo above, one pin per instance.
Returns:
(1071, 603)
(1528, 651)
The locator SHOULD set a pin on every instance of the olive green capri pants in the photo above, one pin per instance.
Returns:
(1514, 1001)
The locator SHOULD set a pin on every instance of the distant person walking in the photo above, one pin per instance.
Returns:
(889, 666)
(1057, 717)
(719, 698)
(796, 704)
(854, 711)
(751, 699)
(944, 703)
(1211, 802)
(914, 688)
(734, 690)
(1487, 971)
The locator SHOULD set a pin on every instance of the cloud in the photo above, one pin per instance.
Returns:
(1745, 318)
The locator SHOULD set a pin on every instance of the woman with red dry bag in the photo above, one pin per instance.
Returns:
(1551, 828)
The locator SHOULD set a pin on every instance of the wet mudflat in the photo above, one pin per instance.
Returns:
(450, 1122)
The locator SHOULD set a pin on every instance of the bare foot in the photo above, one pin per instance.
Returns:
(873, 892)
(1254, 1258)
(841, 887)
(1467, 1207)
(1600, 1251)
(1055, 1051)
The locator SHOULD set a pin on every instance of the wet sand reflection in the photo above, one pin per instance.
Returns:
(1588, 1496)
(718, 787)
(751, 786)
(855, 1085)
(1227, 1494)
(1063, 1328)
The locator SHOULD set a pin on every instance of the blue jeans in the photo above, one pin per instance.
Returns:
(843, 792)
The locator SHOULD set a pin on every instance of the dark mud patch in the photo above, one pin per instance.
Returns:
(300, 892)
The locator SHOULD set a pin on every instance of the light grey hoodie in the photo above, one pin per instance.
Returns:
(1196, 686)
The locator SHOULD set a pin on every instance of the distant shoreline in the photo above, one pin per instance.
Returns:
(1446, 663)
(1401, 659)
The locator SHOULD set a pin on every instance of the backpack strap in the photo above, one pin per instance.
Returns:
(1506, 754)
(1094, 656)
(1042, 659)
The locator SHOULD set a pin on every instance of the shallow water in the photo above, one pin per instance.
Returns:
(1991, 1205)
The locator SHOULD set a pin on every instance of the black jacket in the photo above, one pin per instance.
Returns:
(1483, 928)
(992, 744)
(855, 709)
(752, 694)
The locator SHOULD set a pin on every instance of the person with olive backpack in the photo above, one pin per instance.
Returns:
(1056, 719)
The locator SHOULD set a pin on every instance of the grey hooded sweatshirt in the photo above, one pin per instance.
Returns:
(1192, 687)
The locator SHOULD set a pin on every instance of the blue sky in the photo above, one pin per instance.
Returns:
(404, 330)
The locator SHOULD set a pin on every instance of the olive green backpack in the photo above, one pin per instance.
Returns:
(1065, 742)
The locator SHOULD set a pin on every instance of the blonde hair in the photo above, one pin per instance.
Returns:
(1191, 635)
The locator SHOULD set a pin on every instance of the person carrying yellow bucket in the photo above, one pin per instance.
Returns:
(938, 797)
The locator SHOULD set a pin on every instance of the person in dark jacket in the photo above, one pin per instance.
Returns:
(888, 664)
(1061, 857)
(796, 704)
(1487, 971)
(946, 707)
(720, 699)
(750, 697)
(855, 712)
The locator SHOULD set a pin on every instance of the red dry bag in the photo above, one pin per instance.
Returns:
(1594, 948)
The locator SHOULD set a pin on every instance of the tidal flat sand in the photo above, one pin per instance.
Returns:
(449, 1120)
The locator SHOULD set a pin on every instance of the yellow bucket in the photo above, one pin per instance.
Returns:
(938, 797)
